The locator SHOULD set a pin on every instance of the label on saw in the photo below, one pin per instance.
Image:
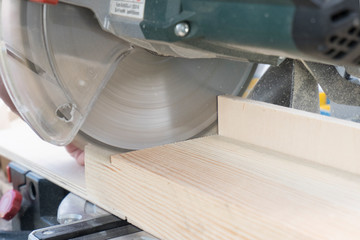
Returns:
(128, 8)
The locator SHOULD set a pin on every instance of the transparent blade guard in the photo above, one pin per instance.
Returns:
(54, 62)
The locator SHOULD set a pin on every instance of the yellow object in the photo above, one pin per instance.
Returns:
(322, 98)
(252, 84)
(324, 106)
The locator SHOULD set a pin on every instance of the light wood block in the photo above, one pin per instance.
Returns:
(263, 177)
(328, 141)
(20, 144)
(219, 188)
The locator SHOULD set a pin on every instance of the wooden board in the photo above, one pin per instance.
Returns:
(20, 144)
(256, 182)
(219, 188)
(313, 137)
(233, 188)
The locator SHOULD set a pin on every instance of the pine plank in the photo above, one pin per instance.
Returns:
(219, 188)
(328, 141)
(20, 144)
(272, 173)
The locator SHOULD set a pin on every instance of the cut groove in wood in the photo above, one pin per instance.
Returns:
(261, 180)
(219, 188)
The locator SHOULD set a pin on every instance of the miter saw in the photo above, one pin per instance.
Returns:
(138, 73)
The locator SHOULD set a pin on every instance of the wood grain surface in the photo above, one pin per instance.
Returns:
(272, 173)
(322, 139)
(219, 188)
(20, 144)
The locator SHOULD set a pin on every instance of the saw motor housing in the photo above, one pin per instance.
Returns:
(257, 31)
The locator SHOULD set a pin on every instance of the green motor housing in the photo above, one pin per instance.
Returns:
(317, 30)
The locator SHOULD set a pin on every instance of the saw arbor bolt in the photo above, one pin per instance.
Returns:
(182, 29)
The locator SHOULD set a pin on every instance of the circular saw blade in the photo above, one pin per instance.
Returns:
(153, 100)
